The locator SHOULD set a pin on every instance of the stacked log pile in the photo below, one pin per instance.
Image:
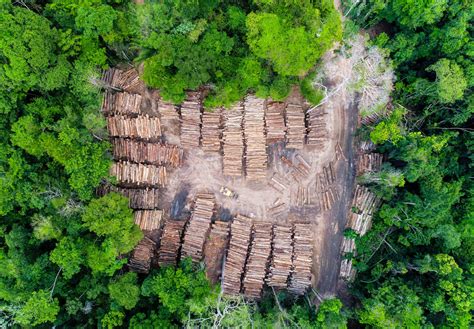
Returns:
(214, 250)
(254, 132)
(168, 111)
(124, 80)
(364, 204)
(296, 129)
(371, 162)
(300, 279)
(140, 259)
(279, 183)
(233, 143)
(275, 122)
(170, 242)
(191, 120)
(198, 228)
(121, 103)
(139, 174)
(318, 134)
(325, 186)
(148, 220)
(282, 254)
(142, 127)
(147, 198)
(145, 152)
(256, 267)
(211, 130)
(236, 255)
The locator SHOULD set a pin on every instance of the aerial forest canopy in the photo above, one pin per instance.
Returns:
(63, 248)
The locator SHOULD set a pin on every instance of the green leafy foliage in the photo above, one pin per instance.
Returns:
(39, 308)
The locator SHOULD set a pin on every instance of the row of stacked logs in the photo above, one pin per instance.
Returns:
(142, 152)
(318, 134)
(141, 127)
(191, 120)
(254, 137)
(259, 253)
(233, 142)
(138, 174)
(211, 130)
(364, 204)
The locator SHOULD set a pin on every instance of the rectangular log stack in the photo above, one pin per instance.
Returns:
(256, 268)
(121, 104)
(145, 152)
(275, 122)
(318, 134)
(141, 127)
(254, 135)
(282, 254)
(371, 162)
(233, 142)
(139, 174)
(140, 259)
(214, 250)
(236, 255)
(147, 198)
(198, 228)
(148, 220)
(191, 120)
(212, 130)
(296, 130)
(170, 242)
(300, 279)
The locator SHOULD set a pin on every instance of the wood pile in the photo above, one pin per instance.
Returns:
(372, 119)
(365, 203)
(170, 242)
(168, 111)
(275, 122)
(296, 129)
(198, 228)
(233, 142)
(277, 209)
(282, 254)
(367, 146)
(236, 255)
(328, 198)
(191, 120)
(121, 103)
(318, 134)
(299, 169)
(325, 186)
(214, 250)
(140, 259)
(279, 183)
(142, 127)
(148, 220)
(140, 198)
(139, 174)
(254, 131)
(300, 279)
(371, 162)
(211, 130)
(256, 268)
(303, 195)
(145, 152)
(124, 80)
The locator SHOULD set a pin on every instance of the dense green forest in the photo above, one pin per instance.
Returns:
(63, 249)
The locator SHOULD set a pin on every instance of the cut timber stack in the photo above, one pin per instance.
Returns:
(281, 260)
(296, 129)
(139, 174)
(198, 228)
(300, 279)
(275, 122)
(233, 142)
(371, 162)
(168, 111)
(254, 136)
(214, 250)
(236, 255)
(126, 104)
(318, 134)
(364, 204)
(170, 242)
(142, 127)
(140, 259)
(191, 120)
(124, 80)
(256, 268)
(140, 198)
(211, 130)
(325, 186)
(148, 220)
(145, 152)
